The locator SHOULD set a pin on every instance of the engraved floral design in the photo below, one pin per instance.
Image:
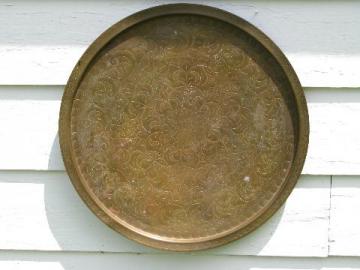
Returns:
(178, 129)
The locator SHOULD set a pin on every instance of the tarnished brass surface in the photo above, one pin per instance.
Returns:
(183, 127)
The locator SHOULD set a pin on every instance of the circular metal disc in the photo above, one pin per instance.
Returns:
(183, 127)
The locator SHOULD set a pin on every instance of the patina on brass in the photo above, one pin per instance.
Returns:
(183, 127)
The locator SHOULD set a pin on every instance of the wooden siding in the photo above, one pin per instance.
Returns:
(45, 225)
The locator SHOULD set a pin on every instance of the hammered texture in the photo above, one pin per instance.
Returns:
(181, 128)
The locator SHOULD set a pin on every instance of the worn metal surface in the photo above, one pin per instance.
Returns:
(183, 127)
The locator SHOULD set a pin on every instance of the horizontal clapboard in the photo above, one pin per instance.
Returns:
(41, 211)
(91, 261)
(40, 41)
(29, 121)
(344, 231)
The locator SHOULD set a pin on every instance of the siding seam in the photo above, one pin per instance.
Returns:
(329, 215)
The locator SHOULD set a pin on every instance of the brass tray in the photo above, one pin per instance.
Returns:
(183, 127)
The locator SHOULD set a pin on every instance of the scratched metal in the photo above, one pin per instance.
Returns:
(183, 131)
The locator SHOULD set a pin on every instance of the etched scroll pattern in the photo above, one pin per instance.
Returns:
(179, 131)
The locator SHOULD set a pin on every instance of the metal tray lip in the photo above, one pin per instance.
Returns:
(173, 9)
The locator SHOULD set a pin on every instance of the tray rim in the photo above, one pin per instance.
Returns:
(174, 9)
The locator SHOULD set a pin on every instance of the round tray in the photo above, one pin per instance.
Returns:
(183, 127)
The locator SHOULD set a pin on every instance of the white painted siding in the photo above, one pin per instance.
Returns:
(44, 224)
(42, 40)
